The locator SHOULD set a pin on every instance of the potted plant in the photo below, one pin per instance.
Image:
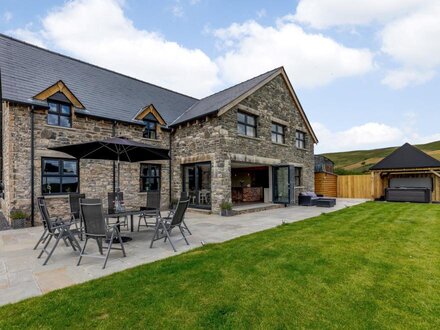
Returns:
(18, 219)
(226, 209)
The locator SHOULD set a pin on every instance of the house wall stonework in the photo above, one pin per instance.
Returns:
(216, 139)
(202, 141)
(96, 176)
(274, 102)
(213, 139)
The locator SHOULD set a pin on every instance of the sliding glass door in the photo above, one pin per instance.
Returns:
(281, 184)
(197, 183)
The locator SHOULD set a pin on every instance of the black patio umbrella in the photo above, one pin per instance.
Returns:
(115, 148)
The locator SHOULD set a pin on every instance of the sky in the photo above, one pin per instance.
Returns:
(366, 71)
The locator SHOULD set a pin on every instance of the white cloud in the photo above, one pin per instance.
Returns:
(310, 59)
(412, 42)
(371, 135)
(29, 35)
(97, 31)
(365, 136)
(177, 9)
(7, 16)
(261, 13)
(401, 78)
(323, 14)
(408, 31)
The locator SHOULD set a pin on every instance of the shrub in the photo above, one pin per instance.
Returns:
(18, 214)
(226, 206)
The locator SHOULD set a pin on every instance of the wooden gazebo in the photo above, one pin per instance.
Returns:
(407, 168)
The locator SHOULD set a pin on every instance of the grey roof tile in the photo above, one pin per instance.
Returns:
(215, 102)
(27, 70)
(406, 157)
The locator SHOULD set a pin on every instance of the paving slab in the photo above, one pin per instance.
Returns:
(22, 275)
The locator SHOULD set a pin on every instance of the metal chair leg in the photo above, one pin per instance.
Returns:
(121, 242)
(186, 227)
(45, 246)
(109, 247)
(53, 249)
(42, 238)
(82, 251)
(169, 238)
(156, 234)
(99, 242)
(183, 234)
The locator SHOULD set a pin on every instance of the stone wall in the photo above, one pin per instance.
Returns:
(216, 140)
(212, 139)
(96, 176)
(273, 102)
(202, 141)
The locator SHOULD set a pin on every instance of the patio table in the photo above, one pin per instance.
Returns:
(131, 212)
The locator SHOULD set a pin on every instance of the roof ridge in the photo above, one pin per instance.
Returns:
(224, 90)
(406, 146)
(92, 65)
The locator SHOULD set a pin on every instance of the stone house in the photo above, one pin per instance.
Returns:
(248, 144)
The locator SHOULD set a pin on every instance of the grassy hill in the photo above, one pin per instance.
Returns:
(359, 161)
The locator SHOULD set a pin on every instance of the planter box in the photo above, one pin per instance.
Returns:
(18, 223)
(226, 213)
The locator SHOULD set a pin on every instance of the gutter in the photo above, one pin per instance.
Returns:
(1, 133)
(32, 167)
(114, 163)
(169, 170)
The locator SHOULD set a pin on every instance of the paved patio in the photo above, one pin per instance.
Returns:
(22, 274)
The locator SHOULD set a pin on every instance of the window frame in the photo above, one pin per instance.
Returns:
(298, 176)
(60, 175)
(300, 139)
(149, 176)
(277, 133)
(246, 124)
(147, 130)
(59, 114)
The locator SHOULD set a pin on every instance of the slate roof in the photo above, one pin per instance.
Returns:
(27, 70)
(215, 102)
(406, 157)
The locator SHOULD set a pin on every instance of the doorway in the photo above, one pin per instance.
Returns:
(282, 187)
(197, 183)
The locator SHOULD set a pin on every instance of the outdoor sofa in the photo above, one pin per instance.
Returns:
(312, 199)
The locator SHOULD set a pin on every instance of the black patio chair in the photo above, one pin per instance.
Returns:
(53, 219)
(95, 227)
(112, 206)
(152, 210)
(166, 224)
(75, 213)
(183, 196)
(55, 228)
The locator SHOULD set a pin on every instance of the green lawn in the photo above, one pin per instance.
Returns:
(376, 265)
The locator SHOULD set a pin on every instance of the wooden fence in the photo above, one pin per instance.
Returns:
(368, 186)
(349, 186)
(359, 186)
(326, 184)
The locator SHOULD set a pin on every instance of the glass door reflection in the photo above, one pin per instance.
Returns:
(197, 183)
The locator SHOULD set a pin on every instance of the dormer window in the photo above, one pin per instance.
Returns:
(59, 114)
(150, 130)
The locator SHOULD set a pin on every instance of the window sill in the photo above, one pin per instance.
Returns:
(146, 192)
(304, 149)
(249, 137)
(60, 196)
(280, 144)
(61, 127)
(151, 140)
